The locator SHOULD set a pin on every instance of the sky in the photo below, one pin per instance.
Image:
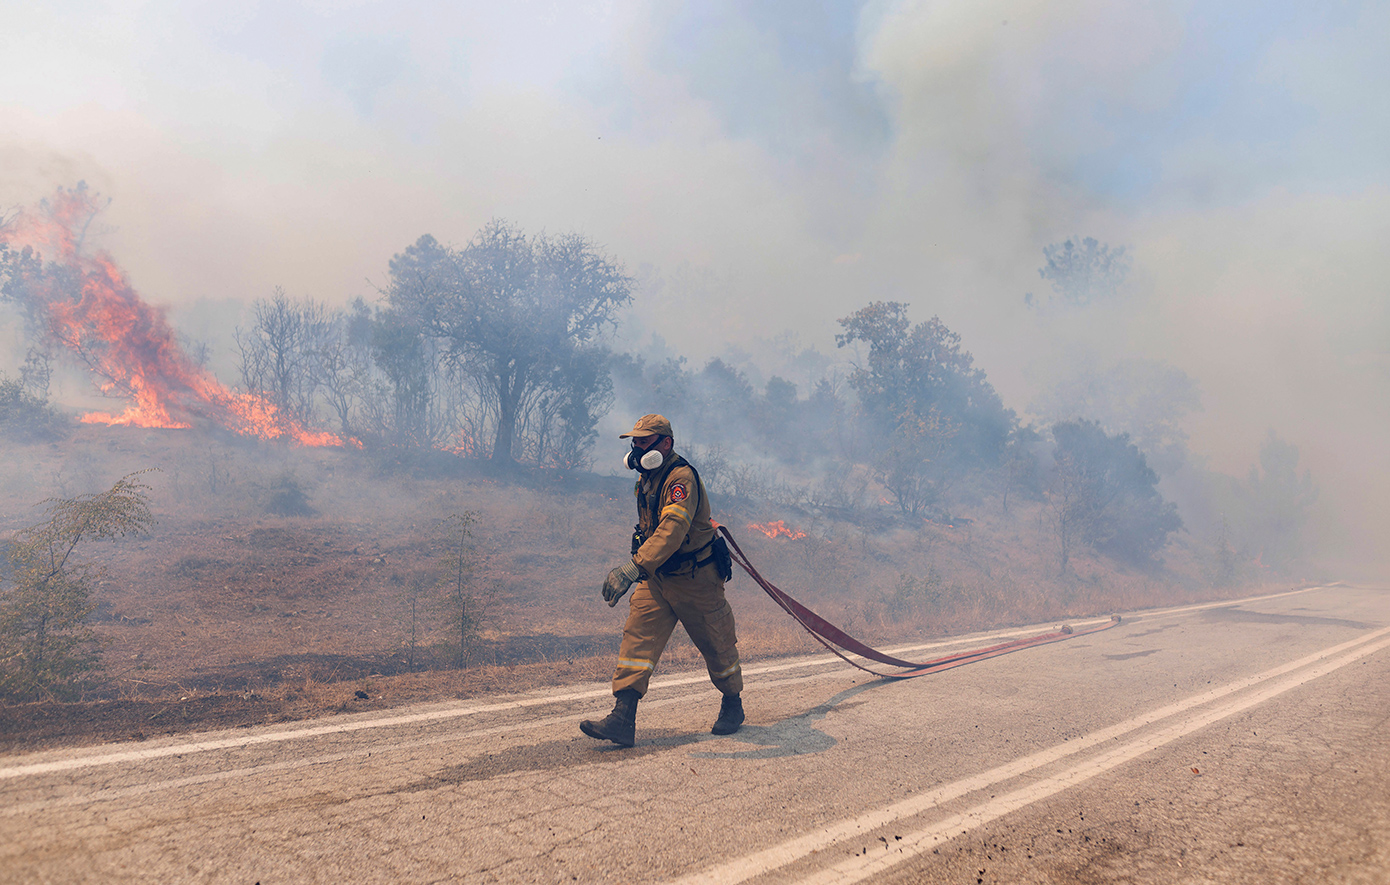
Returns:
(765, 169)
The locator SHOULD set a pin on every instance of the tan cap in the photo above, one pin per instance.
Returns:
(648, 425)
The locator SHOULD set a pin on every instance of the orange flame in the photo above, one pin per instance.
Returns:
(465, 446)
(87, 305)
(777, 529)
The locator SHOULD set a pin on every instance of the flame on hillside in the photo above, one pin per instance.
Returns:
(464, 445)
(777, 529)
(85, 303)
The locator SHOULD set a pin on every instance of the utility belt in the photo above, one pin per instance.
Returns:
(717, 548)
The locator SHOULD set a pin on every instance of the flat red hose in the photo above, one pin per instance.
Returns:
(835, 639)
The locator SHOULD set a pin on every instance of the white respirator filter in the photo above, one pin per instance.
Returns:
(651, 459)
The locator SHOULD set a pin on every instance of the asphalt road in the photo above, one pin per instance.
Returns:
(1237, 742)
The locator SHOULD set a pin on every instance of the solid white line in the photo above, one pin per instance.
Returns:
(1224, 603)
(1145, 614)
(252, 740)
(856, 869)
(337, 728)
(106, 794)
(777, 856)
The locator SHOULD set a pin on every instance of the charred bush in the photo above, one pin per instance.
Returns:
(287, 497)
(916, 593)
(26, 416)
(194, 564)
(388, 459)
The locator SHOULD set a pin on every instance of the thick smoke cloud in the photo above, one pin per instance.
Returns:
(772, 169)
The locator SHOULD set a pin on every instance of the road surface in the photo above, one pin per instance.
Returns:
(1243, 741)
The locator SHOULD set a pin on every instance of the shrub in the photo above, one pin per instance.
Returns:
(46, 647)
(26, 416)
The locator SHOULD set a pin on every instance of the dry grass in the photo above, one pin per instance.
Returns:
(228, 614)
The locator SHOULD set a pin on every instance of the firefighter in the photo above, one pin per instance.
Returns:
(679, 565)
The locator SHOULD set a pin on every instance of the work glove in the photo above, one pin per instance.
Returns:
(619, 581)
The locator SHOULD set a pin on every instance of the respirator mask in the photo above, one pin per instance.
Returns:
(644, 459)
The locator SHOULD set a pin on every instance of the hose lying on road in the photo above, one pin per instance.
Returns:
(835, 639)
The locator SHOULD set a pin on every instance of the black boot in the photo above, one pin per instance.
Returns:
(620, 726)
(730, 715)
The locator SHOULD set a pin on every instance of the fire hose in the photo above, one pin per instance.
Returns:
(839, 642)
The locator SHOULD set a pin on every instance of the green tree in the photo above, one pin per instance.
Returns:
(404, 355)
(921, 369)
(25, 415)
(1148, 399)
(912, 466)
(575, 400)
(46, 646)
(516, 311)
(1224, 560)
(1019, 472)
(1081, 271)
(1278, 500)
(1104, 494)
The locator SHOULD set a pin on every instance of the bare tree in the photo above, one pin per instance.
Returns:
(342, 366)
(460, 601)
(281, 352)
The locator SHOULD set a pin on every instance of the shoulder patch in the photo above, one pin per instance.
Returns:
(678, 493)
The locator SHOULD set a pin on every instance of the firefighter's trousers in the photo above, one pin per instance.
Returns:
(696, 599)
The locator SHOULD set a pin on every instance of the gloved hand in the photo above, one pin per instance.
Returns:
(619, 581)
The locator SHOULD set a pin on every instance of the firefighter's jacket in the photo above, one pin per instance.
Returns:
(673, 517)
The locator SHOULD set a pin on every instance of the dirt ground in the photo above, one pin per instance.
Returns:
(240, 608)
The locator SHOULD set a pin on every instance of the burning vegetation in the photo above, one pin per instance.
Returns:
(447, 523)
(777, 529)
(83, 304)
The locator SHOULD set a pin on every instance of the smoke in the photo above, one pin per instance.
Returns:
(1197, 137)
(779, 167)
(80, 302)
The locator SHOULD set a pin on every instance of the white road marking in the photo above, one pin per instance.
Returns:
(1147, 615)
(854, 869)
(337, 728)
(251, 740)
(857, 869)
(113, 793)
